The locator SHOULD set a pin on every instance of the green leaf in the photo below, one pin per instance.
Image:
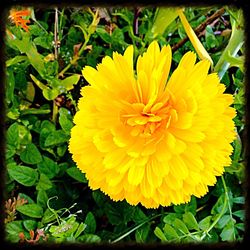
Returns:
(42, 198)
(211, 40)
(90, 222)
(235, 61)
(170, 233)
(160, 234)
(191, 206)
(48, 216)
(219, 205)
(240, 214)
(65, 120)
(69, 82)
(31, 154)
(113, 213)
(30, 225)
(212, 237)
(180, 209)
(99, 198)
(142, 233)
(10, 151)
(127, 211)
(139, 215)
(55, 138)
(13, 113)
(237, 148)
(27, 46)
(104, 35)
(36, 29)
(73, 227)
(30, 92)
(44, 41)
(12, 135)
(25, 137)
(48, 167)
(50, 94)
(26, 197)
(239, 200)
(240, 226)
(10, 86)
(12, 231)
(80, 229)
(65, 229)
(169, 219)
(239, 100)
(180, 226)
(15, 60)
(46, 128)
(44, 183)
(76, 174)
(61, 150)
(24, 175)
(190, 221)
(223, 221)
(164, 17)
(89, 238)
(228, 233)
(36, 60)
(38, 83)
(205, 223)
(117, 36)
(31, 210)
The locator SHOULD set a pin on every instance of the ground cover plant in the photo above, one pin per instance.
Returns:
(48, 199)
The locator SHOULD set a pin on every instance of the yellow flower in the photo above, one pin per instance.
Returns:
(150, 140)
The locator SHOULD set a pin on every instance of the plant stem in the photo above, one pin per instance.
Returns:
(86, 37)
(76, 57)
(54, 112)
(221, 213)
(56, 38)
(136, 22)
(53, 210)
(229, 207)
(234, 45)
(135, 228)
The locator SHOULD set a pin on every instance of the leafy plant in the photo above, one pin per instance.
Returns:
(43, 69)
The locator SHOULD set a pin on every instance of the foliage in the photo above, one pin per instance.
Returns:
(42, 91)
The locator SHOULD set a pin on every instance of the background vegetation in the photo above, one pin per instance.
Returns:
(47, 197)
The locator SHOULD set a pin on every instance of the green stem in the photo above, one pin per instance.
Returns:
(222, 210)
(229, 207)
(54, 112)
(86, 37)
(190, 235)
(53, 210)
(61, 20)
(235, 43)
(135, 228)
(76, 57)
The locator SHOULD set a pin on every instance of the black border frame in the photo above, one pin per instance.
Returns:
(7, 4)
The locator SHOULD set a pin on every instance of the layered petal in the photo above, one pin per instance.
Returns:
(149, 138)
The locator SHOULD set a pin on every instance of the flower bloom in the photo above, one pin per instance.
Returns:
(17, 18)
(141, 137)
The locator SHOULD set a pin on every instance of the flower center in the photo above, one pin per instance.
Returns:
(144, 120)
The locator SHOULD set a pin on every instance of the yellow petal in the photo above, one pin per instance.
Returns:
(135, 174)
